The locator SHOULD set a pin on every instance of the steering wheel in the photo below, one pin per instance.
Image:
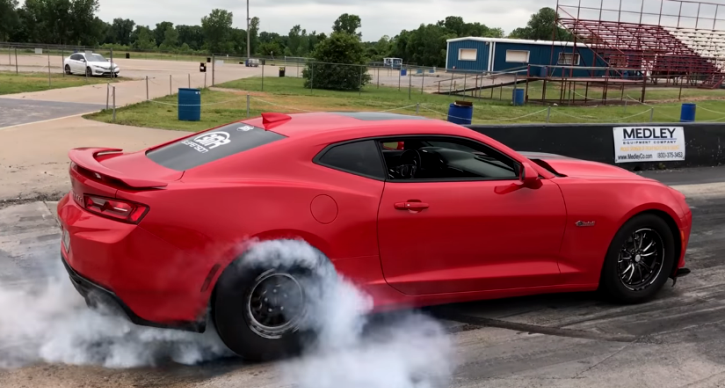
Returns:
(410, 163)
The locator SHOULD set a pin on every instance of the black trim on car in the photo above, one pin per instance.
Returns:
(85, 287)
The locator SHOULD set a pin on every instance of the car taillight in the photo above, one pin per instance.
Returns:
(123, 211)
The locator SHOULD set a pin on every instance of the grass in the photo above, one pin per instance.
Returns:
(11, 83)
(288, 95)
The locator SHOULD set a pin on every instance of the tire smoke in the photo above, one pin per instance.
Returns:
(349, 348)
(53, 324)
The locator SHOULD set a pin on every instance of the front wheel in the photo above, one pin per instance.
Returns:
(89, 72)
(639, 260)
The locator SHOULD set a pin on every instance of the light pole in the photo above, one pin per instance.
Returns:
(248, 34)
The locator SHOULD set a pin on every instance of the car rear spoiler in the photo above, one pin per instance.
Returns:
(86, 158)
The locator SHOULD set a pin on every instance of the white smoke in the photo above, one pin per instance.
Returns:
(53, 324)
(349, 349)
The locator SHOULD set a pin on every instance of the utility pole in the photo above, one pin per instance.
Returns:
(248, 34)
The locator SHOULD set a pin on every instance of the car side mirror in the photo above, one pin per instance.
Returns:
(529, 176)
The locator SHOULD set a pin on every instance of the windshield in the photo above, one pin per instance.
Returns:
(95, 58)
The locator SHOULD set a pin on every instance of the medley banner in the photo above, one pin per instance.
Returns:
(648, 144)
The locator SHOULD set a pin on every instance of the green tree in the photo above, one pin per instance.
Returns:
(86, 27)
(8, 18)
(253, 34)
(143, 39)
(542, 26)
(160, 31)
(217, 28)
(348, 24)
(120, 31)
(171, 39)
(336, 70)
(193, 36)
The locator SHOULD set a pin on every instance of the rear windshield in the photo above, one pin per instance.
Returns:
(211, 145)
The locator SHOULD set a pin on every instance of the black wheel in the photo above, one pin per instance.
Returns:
(639, 260)
(89, 72)
(67, 70)
(259, 310)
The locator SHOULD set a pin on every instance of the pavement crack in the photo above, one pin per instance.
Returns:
(538, 329)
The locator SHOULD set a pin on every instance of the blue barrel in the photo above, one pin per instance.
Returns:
(543, 71)
(189, 104)
(403, 72)
(460, 114)
(687, 114)
(518, 96)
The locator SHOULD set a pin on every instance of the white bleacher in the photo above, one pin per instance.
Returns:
(706, 43)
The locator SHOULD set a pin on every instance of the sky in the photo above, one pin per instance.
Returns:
(379, 17)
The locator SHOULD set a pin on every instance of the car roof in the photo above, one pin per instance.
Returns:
(352, 124)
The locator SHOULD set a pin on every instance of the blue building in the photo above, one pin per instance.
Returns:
(493, 55)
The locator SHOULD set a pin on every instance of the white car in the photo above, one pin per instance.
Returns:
(90, 64)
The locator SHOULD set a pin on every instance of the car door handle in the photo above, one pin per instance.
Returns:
(411, 205)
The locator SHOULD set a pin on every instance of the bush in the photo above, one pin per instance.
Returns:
(340, 64)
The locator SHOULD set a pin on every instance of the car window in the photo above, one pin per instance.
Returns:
(359, 158)
(75, 57)
(211, 145)
(446, 159)
(96, 58)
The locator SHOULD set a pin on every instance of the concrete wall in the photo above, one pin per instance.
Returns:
(704, 143)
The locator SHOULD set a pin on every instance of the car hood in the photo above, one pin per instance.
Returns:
(102, 64)
(578, 168)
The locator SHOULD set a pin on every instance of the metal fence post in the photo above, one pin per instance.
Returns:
(263, 77)
(62, 65)
(410, 83)
(247, 105)
(204, 80)
(189, 80)
(49, 85)
(422, 83)
(359, 86)
(417, 108)
(114, 104)
(17, 71)
(312, 75)
(400, 74)
(651, 114)
(171, 88)
(147, 88)
(213, 68)
(378, 77)
(111, 73)
(108, 91)
(548, 114)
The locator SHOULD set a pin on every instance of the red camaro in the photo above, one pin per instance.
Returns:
(416, 211)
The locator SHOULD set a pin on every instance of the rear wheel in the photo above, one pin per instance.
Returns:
(639, 261)
(258, 311)
(67, 70)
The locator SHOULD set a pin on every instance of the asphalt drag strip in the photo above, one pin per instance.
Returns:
(562, 340)
(22, 111)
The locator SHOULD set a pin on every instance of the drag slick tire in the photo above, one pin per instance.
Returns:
(257, 311)
(639, 260)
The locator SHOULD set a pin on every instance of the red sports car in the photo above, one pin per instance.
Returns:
(416, 211)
